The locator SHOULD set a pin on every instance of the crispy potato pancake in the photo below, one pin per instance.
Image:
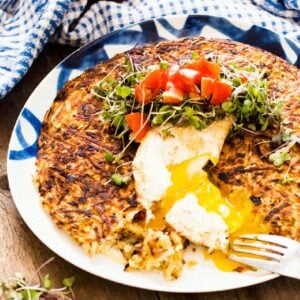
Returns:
(74, 179)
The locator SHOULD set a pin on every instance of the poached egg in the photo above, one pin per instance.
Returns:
(158, 152)
(192, 221)
(175, 190)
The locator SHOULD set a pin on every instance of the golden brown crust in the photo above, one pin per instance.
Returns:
(73, 177)
(72, 174)
(242, 164)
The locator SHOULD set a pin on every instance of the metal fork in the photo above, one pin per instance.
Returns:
(273, 253)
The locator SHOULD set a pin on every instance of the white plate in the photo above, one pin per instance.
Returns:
(204, 277)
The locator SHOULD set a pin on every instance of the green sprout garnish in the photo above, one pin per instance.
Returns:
(195, 55)
(164, 65)
(123, 91)
(47, 283)
(287, 180)
(69, 281)
(280, 156)
(18, 288)
(108, 156)
(251, 105)
(119, 179)
(254, 110)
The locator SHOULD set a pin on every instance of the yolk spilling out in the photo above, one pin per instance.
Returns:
(235, 208)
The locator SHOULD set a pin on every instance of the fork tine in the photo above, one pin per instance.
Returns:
(257, 263)
(263, 254)
(275, 239)
(255, 244)
(285, 261)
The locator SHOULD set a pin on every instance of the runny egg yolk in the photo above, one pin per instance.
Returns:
(235, 208)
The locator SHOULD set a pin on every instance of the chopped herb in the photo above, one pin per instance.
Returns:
(123, 91)
(69, 282)
(195, 55)
(29, 295)
(284, 136)
(47, 283)
(252, 127)
(164, 65)
(195, 121)
(167, 132)
(108, 156)
(117, 120)
(250, 69)
(189, 111)
(119, 179)
(128, 64)
(280, 156)
(236, 82)
(287, 180)
(157, 120)
(287, 136)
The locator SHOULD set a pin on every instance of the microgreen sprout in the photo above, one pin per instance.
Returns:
(280, 156)
(251, 104)
(108, 156)
(195, 55)
(252, 107)
(18, 288)
(164, 65)
(123, 91)
(282, 153)
(119, 179)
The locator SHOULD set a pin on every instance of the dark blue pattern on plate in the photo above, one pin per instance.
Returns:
(27, 151)
(93, 53)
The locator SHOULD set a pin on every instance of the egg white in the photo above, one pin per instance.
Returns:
(158, 151)
(193, 222)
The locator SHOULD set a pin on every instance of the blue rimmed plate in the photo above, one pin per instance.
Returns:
(204, 277)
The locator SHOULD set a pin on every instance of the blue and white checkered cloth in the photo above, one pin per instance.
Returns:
(27, 25)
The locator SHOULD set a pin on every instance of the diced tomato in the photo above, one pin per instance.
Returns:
(153, 80)
(184, 84)
(206, 86)
(205, 68)
(185, 77)
(137, 122)
(193, 76)
(142, 94)
(210, 69)
(189, 73)
(149, 87)
(168, 75)
(182, 81)
(165, 79)
(196, 66)
(172, 95)
(221, 92)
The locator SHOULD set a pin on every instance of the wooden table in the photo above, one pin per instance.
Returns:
(21, 251)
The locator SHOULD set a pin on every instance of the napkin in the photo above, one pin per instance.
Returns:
(27, 25)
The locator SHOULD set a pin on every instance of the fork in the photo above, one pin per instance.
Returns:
(273, 253)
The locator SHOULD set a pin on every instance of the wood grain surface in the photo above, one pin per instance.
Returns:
(21, 251)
